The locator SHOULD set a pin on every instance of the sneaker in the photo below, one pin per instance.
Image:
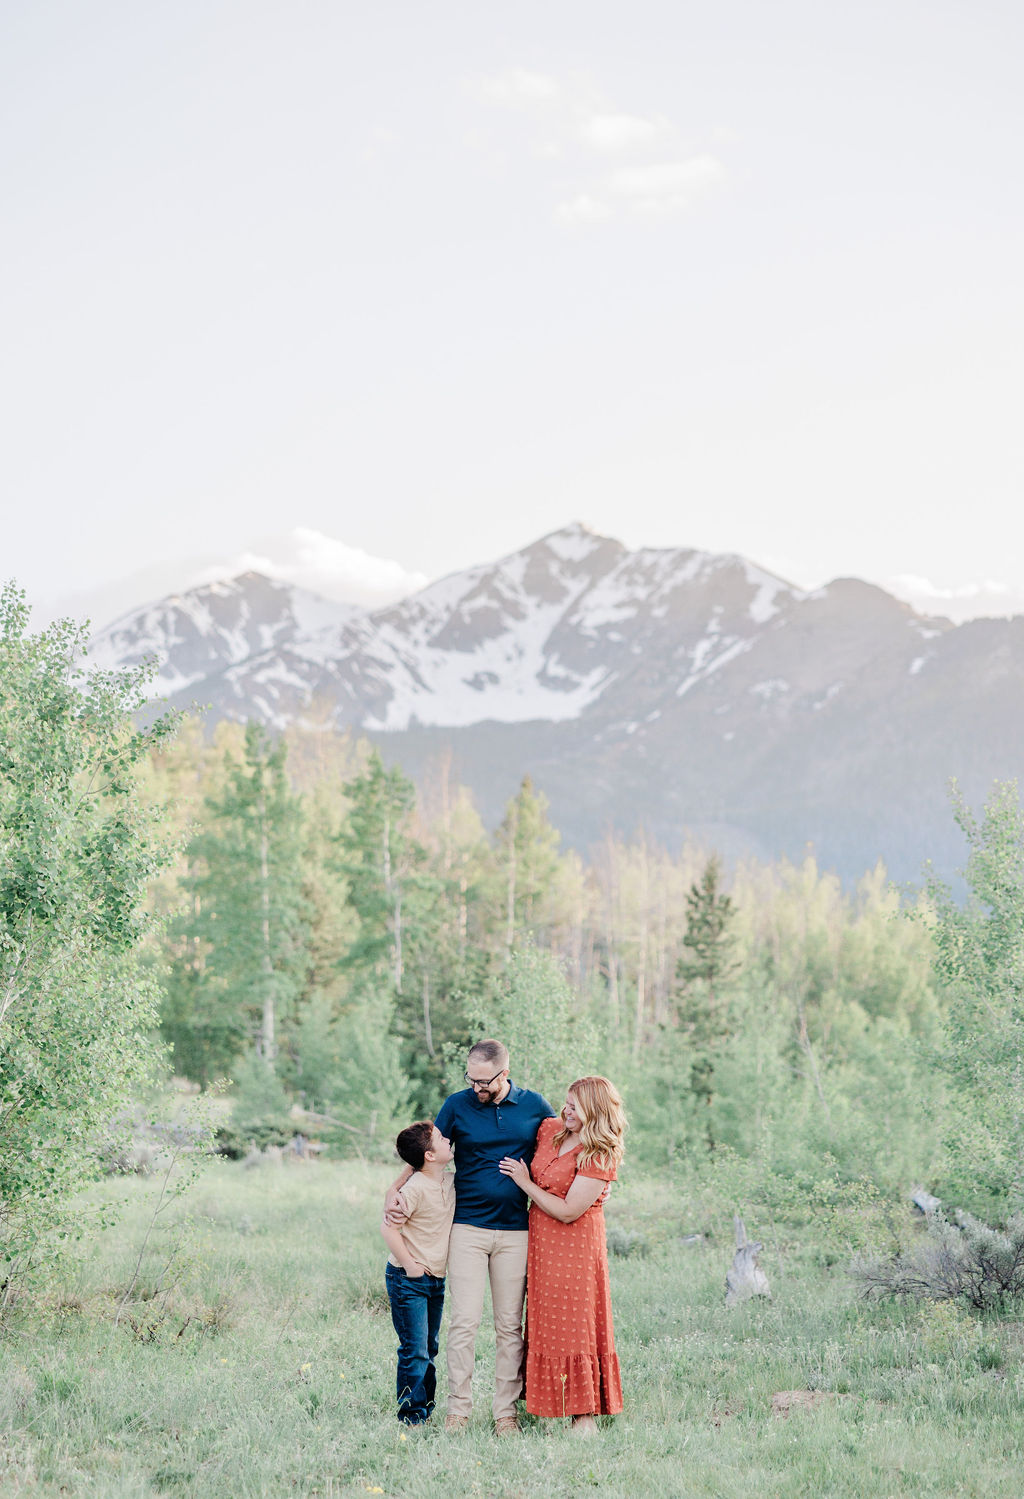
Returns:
(456, 1423)
(507, 1426)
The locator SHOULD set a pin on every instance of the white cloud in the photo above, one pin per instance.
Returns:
(519, 86)
(925, 588)
(573, 123)
(620, 132)
(583, 209)
(665, 186)
(323, 565)
(978, 599)
(658, 188)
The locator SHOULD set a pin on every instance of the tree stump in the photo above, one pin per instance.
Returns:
(745, 1278)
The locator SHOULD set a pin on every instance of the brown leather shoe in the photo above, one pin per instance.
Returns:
(456, 1423)
(507, 1426)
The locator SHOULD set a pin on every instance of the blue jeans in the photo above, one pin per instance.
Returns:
(416, 1306)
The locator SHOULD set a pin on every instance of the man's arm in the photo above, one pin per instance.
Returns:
(394, 1208)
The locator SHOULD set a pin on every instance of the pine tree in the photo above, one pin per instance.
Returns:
(704, 970)
(710, 956)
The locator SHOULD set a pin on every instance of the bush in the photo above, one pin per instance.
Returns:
(136, 1143)
(969, 1262)
(625, 1242)
(77, 851)
(235, 1142)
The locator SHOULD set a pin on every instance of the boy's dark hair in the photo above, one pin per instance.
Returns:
(414, 1142)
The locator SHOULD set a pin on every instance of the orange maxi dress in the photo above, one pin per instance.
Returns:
(571, 1364)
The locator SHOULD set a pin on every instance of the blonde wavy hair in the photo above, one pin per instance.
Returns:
(602, 1122)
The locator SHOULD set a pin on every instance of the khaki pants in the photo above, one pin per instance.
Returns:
(474, 1255)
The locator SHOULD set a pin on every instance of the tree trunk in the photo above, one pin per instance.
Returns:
(641, 966)
(510, 898)
(268, 1039)
(808, 1051)
(428, 1032)
(745, 1278)
(393, 891)
(463, 915)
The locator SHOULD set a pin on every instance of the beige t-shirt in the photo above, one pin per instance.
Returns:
(430, 1205)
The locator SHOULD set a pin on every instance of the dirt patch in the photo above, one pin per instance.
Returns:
(785, 1401)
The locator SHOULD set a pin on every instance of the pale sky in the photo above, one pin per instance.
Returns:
(432, 280)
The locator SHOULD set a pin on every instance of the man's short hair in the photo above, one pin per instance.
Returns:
(414, 1142)
(490, 1051)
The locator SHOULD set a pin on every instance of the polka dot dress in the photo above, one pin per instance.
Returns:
(572, 1368)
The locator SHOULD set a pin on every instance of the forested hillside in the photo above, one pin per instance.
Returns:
(333, 928)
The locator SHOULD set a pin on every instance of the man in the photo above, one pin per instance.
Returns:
(490, 1119)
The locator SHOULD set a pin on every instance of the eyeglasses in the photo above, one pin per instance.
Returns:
(477, 1082)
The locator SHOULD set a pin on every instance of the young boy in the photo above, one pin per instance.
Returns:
(416, 1265)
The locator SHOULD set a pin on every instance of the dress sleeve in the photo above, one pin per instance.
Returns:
(598, 1173)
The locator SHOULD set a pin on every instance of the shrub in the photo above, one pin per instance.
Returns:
(77, 851)
(969, 1262)
(235, 1142)
(625, 1242)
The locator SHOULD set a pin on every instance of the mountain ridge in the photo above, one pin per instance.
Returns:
(685, 691)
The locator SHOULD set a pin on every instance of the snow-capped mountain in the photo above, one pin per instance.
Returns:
(685, 691)
(195, 635)
(547, 634)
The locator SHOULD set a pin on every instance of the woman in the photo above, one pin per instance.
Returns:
(572, 1368)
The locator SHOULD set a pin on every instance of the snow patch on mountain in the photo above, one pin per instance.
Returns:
(763, 606)
(705, 665)
(574, 542)
(198, 634)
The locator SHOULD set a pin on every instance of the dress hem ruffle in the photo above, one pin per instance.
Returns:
(583, 1384)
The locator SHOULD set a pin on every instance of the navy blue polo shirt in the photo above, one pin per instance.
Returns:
(481, 1133)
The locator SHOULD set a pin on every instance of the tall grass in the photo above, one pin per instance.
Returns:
(267, 1368)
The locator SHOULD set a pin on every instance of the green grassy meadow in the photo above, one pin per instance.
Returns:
(264, 1365)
